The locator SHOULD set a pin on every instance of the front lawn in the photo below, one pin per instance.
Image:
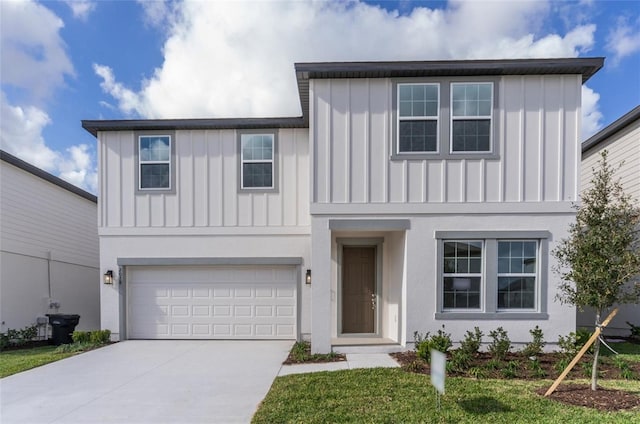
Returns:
(393, 395)
(15, 361)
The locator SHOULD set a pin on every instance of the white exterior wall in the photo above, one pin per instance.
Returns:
(206, 194)
(49, 250)
(624, 150)
(206, 217)
(537, 143)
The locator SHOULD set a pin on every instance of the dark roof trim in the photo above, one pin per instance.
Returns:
(618, 125)
(93, 126)
(25, 166)
(586, 67)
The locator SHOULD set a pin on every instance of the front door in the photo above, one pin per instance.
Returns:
(359, 289)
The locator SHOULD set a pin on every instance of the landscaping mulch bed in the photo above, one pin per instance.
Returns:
(301, 354)
(569, 393)
(601, 399)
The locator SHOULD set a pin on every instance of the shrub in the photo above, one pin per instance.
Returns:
(500, 343)
(424, 344)
(81, 337)
(534, 348)
(100, 336)
(472, 341)
(477, 373)
(573, 342)
(635, 331)
(511, 370)
(460, 360)
(18, 337)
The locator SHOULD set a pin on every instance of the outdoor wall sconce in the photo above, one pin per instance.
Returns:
(307, 277)
(108, 277)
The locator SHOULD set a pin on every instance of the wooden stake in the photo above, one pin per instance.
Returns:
(584, 349)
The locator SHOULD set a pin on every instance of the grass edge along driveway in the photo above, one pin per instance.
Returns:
(395, 396)
(15, 361)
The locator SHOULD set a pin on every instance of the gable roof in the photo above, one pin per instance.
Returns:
(618, 125)
(586, 67)
(25, 166)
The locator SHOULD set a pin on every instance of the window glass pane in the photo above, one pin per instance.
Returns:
(257, 175)
(154, 176)
(471, 99)
(475, 265)
(417, 100)
(155, 148)
(417, 136)
(471, 135)
(516, 292)
(405, 92)
(405, 108)
(461, 292)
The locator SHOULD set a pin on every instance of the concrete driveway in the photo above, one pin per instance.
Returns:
(145, 381)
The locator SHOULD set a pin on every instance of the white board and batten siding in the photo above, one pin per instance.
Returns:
(537, 141)
(623, 150)
(206, 194)
(48, 250)
(207, 302)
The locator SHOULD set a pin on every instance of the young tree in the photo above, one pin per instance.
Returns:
(599, 262)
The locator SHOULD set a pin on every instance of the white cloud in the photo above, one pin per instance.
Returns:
(157, 13)
(624, 39)
(591, 115)
(81, 8)
(33, 64)
(32, 53)
(235, 59)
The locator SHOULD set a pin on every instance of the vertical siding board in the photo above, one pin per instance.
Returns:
(288, 178)
(561, 144)
(127, 184)
(113, 163)
(339, 165)
(552, 99)
(513, 105)
(301, 202)
(215, 181)
(530, 165)
(434, 181)
(358, 153)
(397, 182)
(492, 181)
(378, 157)
(415, 181)
(184, 151)
(474, 181)
(230, 196)
(541, 141)
(322, 145)
(454, 173)
(200, 172)
(259, 206)
(572, 95)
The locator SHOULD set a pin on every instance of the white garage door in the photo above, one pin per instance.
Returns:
(212, 302)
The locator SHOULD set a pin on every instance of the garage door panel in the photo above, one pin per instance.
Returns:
(212, 302)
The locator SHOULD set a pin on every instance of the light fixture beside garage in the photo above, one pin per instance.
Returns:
(108, 277)
(307, 277)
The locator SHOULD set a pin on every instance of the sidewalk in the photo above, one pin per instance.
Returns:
(354, 360)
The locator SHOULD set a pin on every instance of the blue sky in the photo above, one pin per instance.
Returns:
(64, 61)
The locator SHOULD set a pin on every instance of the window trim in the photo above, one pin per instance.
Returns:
(489, 309)
(137, 135)
(444, 120)
(452, 118)
(274, 162)
(398, 119)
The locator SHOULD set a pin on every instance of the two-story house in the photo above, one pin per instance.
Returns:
(408, 196)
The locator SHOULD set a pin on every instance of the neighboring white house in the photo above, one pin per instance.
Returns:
(49, 260)
(622, 140)
(410, 195)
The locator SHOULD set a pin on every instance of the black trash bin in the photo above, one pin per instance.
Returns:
(62, 327)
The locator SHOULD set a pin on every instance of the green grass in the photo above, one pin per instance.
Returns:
(627, 351)
(15, 361)
(395, 396)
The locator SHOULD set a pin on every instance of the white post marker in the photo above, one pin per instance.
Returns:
(438, 370)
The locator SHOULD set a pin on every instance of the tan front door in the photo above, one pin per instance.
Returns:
(358, 289)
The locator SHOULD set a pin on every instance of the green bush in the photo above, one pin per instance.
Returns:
(534, 348)
(100, 336)
(81, 337)
(18, 337)
(500, 343)
(472, 341)
(460, 360)
(635, 331)
(424, 344)
(573, 342)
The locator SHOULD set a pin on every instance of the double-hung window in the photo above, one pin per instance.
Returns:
(492, 274)
(257, 161)
(462, 274)
(471, 113)
(418, 111)
(517, 272)
(154, 162)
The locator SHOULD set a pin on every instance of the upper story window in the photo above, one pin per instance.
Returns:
(445, 118)
(257, 161)
(418, 111)
(154, 162)
(471, 112)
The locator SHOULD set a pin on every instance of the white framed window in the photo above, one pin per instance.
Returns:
(492, 274)
(462, 275)
(517, 274)
(418, 113)
(257, 161)
(471, 117)
(154, 162)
